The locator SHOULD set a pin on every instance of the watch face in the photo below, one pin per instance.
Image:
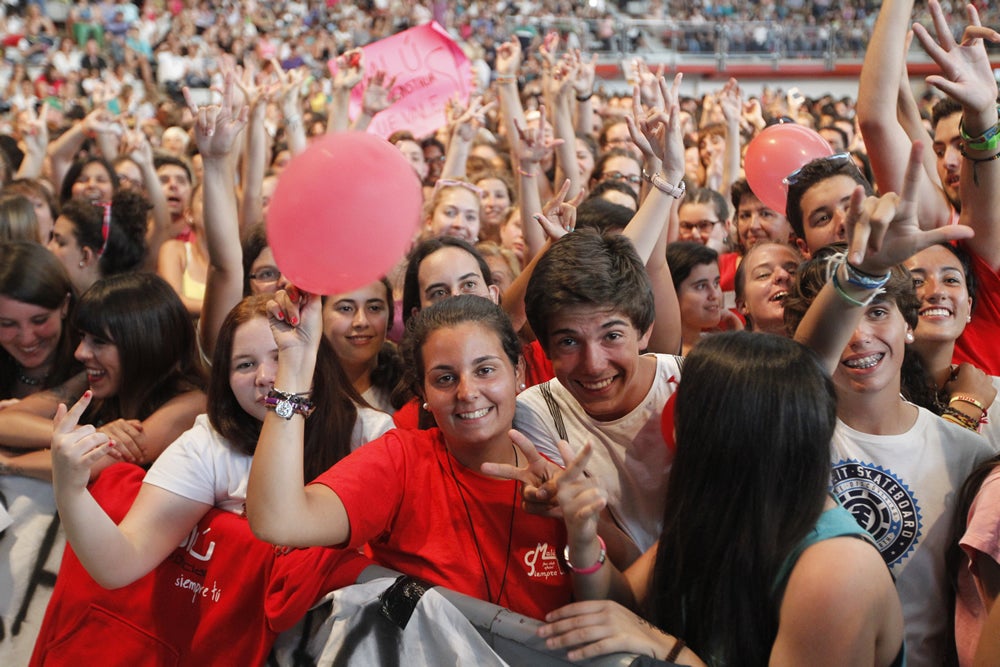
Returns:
(284, 409)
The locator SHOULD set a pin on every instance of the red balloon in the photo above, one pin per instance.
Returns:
(777, 152)
(343, 213)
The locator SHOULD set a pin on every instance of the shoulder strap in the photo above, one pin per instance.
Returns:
(554, 410)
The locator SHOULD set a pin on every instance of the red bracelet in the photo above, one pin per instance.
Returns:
(593, 568)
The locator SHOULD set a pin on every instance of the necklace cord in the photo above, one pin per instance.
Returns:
(475, 538)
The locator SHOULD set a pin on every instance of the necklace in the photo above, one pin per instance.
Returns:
(30, 381)
(475, 537)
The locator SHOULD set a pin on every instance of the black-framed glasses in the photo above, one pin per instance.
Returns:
(837, 160)
(619, 177)
(704, 227)
(266, 274)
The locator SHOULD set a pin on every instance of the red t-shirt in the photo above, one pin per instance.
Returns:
(221, 598)
(403, 500)
(979, 344)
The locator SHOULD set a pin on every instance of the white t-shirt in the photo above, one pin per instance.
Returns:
(631, 461)
(202, 466)
(901, 489)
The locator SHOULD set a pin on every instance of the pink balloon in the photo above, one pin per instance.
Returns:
(343, 213)
(777, 152)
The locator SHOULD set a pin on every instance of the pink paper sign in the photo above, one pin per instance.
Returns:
(429, 68)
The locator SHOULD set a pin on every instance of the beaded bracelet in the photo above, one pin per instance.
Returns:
(593, 568)
(960, 418)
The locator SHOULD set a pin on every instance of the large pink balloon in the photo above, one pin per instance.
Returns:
(343, 212)
(777, 152)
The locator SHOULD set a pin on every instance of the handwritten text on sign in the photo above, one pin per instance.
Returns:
(429, 68)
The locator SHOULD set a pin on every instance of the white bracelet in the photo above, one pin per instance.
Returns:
(664, 186)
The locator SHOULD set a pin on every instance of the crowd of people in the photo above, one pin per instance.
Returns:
(610, 387)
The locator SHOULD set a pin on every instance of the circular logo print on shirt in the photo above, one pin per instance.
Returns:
(882, 504)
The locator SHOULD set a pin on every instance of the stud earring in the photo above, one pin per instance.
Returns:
(82, 264)
(424, 406)
(522, 386)
(909, 337)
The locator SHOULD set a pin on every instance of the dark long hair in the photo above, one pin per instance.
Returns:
(328, 429)
(31, 274)
(743, 491)
(126, 247)
(143, 316)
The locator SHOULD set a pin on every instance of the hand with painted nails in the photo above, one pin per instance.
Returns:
(75, 448)
(296, 319)
(128, 439)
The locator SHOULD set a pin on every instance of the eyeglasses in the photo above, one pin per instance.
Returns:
(835, 160)
(704, 227)
(122, 179)
(618, 177)
(449, 183)
(266, 274)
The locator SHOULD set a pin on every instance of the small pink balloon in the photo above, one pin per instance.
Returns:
(777, 152)
(343, 213)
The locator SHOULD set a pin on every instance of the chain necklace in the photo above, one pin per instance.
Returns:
(475, 537)
(30, 381)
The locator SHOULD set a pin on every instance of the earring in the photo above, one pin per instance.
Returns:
(82, 264)
(968, 319)
(424, 405)
(522, 386)
(909, 337)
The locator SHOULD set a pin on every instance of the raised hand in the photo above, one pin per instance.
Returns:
(35, 131)
(549, 50)
(289, 88)
(883, 231)
(296, 319)
(75, 449)
(558, 217)
(966, 72)
(350, 69)
(217, 126)
(580, 499)
(586, 73)
(508, 60)
(731, 100)
(532, 146)
(657, 132)
(464, 122)
(378, 94)
(135, 144)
